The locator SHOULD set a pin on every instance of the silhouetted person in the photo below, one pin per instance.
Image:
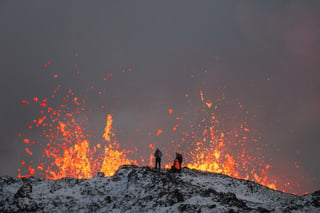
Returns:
(158, 155)
(176, 166)
(179, 159)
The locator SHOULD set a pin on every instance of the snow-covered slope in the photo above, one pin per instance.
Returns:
(142, 189)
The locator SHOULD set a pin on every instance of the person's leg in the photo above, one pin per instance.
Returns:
(156, 162)
(159, 163)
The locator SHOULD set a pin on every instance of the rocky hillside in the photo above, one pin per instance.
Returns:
(142, 189)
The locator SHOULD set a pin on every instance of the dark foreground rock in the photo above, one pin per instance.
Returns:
(143, 189)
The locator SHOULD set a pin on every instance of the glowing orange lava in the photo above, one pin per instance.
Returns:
(107, 130)
(77, 162)
(68, 151)
(213, 155)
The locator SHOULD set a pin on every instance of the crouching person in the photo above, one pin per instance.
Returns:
(179, 159)
(177, 163)
(176, 166)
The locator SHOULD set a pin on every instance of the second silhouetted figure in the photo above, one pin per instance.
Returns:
(179, 158)
(158, 155)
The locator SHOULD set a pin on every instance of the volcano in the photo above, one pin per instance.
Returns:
(144, 189)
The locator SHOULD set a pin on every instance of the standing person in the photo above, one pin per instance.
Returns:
(158, 155)
(179, 159)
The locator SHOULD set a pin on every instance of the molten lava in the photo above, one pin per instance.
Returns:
(77, 161)
(68, 151)
(213, 150)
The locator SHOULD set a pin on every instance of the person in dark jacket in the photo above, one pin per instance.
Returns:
(158, 155)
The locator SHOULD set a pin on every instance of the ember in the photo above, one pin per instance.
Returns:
(211, 145)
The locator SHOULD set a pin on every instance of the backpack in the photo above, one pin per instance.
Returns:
(176, 164)
(179, 157)
(157, 154)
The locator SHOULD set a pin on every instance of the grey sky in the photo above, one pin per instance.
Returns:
(241, 43)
